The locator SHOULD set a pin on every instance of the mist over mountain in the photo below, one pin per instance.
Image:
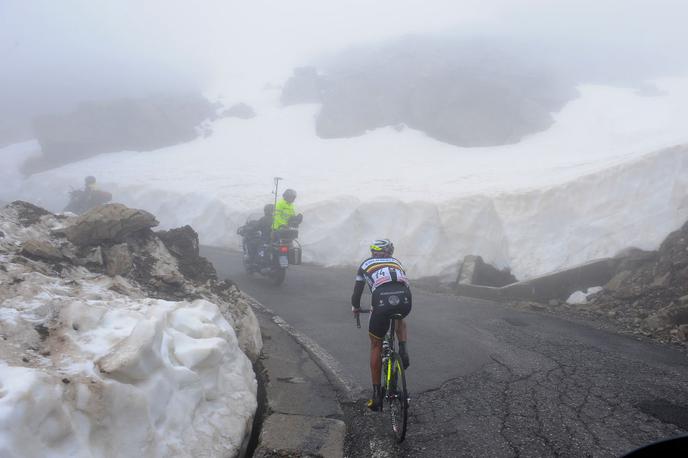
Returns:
(483, 90)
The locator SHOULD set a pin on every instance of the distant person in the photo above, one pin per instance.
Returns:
(389, 286)
(265, 227)
(82, 200)
(265, 222)
(257, 233)
(90, 184)
(285, 213)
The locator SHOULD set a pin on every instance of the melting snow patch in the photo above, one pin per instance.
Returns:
(580, 297)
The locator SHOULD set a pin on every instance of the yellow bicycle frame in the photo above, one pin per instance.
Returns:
(389, 371)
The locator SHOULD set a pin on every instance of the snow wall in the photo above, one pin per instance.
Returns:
(533, 231)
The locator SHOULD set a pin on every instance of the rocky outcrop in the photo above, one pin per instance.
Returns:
(475, 271)
(111, 222)
(108, 126)
(467, 94)
(647, 294)
(117, 241)
(27, 213)
(42, 250)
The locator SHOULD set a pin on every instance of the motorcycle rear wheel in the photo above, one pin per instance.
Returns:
(277, 276)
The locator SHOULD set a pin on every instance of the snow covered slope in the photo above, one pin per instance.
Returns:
(92, 366)
(592, 184)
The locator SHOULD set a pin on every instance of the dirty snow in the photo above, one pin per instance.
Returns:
(91, 367)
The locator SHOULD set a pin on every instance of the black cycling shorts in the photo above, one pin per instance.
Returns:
(387, 300)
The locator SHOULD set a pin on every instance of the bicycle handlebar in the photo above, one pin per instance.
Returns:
(358, 316)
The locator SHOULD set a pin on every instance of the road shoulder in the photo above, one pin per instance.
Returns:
(303, 415)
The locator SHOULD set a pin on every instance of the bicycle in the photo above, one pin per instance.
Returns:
(394, 391)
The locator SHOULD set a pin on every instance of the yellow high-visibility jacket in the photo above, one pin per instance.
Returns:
(283, 211)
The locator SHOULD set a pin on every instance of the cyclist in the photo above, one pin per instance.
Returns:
(391, 294)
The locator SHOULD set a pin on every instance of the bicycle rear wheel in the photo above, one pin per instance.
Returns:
(397, 399)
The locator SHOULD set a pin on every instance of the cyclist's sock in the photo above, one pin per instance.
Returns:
(374, 404)
(404, 355)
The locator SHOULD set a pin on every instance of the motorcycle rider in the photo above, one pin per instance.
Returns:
(90, 184)
(285, 211)
(257, 233)
(389, 286)
(81, 200)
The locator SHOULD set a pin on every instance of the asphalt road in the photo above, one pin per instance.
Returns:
(486, 380)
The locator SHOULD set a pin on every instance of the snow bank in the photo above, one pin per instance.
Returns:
(594, 183)
(581, 297)
(91, 367)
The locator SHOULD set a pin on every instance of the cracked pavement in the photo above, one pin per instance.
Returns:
(540, 397)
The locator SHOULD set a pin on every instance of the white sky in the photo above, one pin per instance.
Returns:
(70, 49)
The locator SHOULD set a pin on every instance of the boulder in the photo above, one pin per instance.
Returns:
(118, 260)
(42, 250)
(27, 214)
(617, 281)
(90, 256)
(183, 243)
(634, 258)
(683, 332)
(108, 223)
(475, 271)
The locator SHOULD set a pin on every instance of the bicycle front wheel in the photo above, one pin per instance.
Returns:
(397, 399)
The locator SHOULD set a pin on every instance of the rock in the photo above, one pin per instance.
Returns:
(673, 314)
(617, 281)
(108, 223)
(553, 302)
(475, 271)
(183, 243)
(682, 333)
(683, 300)
(118, 260)
(634, 258)
(90, 256)
(42, 250)
(240, 110)
(662, 280)
(27, 214)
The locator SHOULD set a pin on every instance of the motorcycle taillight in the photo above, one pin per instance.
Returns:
(283, 249)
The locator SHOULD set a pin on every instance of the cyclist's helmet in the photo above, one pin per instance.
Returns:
(268, 210)
(289, 195)
(382, 247)
(90, 180)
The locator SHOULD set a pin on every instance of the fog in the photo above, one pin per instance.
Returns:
(57, 53)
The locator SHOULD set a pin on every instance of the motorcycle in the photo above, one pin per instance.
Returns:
(270, 254)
